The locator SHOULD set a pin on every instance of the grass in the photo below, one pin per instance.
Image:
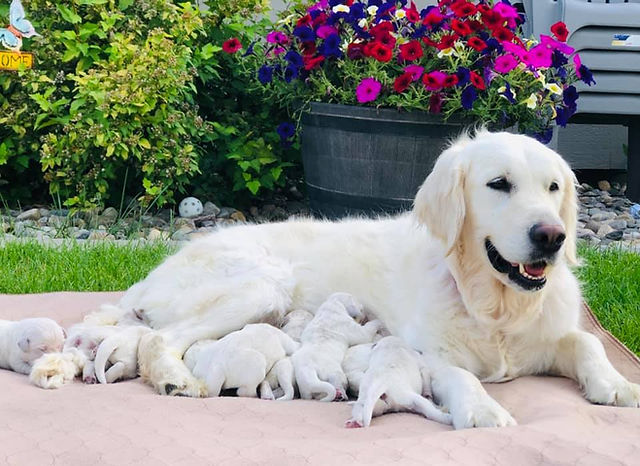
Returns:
(611, 278)
(611, 286)
(31, 267)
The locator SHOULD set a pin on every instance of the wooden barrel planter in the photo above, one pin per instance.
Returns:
(362, 160)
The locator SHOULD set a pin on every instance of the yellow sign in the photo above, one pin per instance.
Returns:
(11, 61)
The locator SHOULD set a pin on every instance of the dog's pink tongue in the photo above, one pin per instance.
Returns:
(534, 271)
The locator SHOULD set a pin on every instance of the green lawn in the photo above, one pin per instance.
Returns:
(611, 278)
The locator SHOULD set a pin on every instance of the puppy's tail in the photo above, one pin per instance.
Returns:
(289, 344)
(105, 350)
(309, 382)
(370, 393)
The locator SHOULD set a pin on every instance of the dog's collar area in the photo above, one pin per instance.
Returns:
(530, 277)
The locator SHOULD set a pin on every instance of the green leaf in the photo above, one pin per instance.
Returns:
(253, 186)
(276, 172)
(124, 4)
(144, 143)
(110, 149)
(68, 14)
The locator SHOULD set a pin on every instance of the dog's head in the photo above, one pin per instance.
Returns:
(508, 195)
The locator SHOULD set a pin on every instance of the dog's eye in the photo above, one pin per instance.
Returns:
(500, 184)
(554, 186)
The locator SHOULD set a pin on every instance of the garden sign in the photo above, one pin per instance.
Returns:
(11, 38)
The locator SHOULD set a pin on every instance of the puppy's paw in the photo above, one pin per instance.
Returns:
(340, 395)
(485, 412)
(353, 424)
(89, 379)
(620, 392)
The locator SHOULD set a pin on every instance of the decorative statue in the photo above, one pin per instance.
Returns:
(19, 27)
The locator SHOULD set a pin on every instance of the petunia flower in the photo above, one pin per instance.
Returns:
(291, 72)
(433, 18)
(415, 71)
(325, 31)
(553, 88)
(330, 47)
(468, 97)
(368, 90)
(539, 57)
(477, 44)
(355, 50)
(502, 34)
(506, 92)
(372, 10)
(477, 81)
(586, 76)
(341, 9)
(311, 63)
(265, 74)
(402, 82)
(570, 96)
(505, 63)
(434, 81)
(231, 45)
(464, 9)
(450, 81)
(464, 76)
(507, 11)
(435, 103)
(286, 130)
(563, 113)
(461, 27)
(492, 19)
(400, 14)
(560, 30)
(411, 51)
(556, 45)
(304, 33)
(277, 37)
(412, 13)
(381, 53)
(532, 101)
(293, 58)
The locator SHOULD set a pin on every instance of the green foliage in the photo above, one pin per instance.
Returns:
(136, 98)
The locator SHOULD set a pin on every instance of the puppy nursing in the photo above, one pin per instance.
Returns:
(24, 341)
(120, 351)
(395, 380)
(318, 363)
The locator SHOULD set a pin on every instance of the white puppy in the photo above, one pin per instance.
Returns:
(396, 380)
(24, 341)
(356, 363)
(318, 363)
(295, 322)
(241, 359)
(53, 370)
(121, 352)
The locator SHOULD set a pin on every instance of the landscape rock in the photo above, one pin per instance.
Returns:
(31, 214)
(604, 185)
(210, 209)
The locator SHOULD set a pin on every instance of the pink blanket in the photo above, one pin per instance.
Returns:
(126, 423)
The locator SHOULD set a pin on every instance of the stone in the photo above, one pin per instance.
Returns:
(226, 212)
(31, 214)
(584, 233)
(601, 216)
(82, 234)
(210, 209)
(157, 235)
(59, 212)
(207, 224)
(604, 230)
(181, 222)
(100, 235)
(253, 211)
(586, 187)
(151, 221)
(108, 217)
(182, 234)
(238, 216)
(593, 226)
(615, 235)
(617, 224)
(190, 207)
(604, 185)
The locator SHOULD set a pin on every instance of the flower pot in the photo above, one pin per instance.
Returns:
(362, 160)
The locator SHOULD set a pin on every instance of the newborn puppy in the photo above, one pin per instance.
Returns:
(121, 352)
(318, 363)
(77, 356)
(396, 380)
(279, 382)
(295, 322)
(356, 363)
(24, 341)
(241, 359)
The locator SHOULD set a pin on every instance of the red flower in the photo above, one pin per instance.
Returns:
(411, 51)
(311, 63)
(381, 29)
(232, 45)
(368, 49)
(355, 50)
(492, 19)
(428, 42)
(483, 8)
(412, 13)
(402, 82)
(308, 48)
(320, 20)
(477, 80)
(446, 42)
(433, 17)
(450, 81)
(475, 25)
(461, 27)
(387, 40)
(463, 9)
(433, 81)
(435, 103)
(560, 30)
(381, 53)
(304, 21)
(502, 34)
(477, 44)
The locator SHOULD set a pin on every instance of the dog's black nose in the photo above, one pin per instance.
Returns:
(547, 238)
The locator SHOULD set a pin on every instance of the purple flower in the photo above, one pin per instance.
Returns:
(569, 96)
(368, 90)
(544, 136)
(277, 37)
(586, 75)
(468, 97)
(265, 74)
(304, 33)
(324, 31)
(463, 76)
(294, 59)
(558, 59)
(415, 70)
(508, 93)
(286, 130)
(290, 73)
(563, 114)
(331, 46)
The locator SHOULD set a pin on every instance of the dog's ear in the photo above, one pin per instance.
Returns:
(569, 212)
(440, 203)
(24, 344)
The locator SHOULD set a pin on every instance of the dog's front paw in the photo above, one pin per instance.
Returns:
(485, 412)
(620, 392)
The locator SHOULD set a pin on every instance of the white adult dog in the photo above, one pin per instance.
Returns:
(477, 276)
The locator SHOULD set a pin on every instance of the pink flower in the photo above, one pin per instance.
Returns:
(505, 63)
(325, 31)
(368, 90)
(517, 50)
(415, 71)
(540, 56)
(556, 45)
(434, 81)
(275, 52)
(321, 5)
(277, 37)
(508, 12)
(577, 62)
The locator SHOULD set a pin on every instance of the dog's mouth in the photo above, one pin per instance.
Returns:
(530, 277)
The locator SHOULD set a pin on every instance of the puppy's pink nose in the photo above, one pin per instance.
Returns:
(547, 238)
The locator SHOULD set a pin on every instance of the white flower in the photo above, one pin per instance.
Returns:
(447, 52)
(372, 10)
(341, 9)
(362, 23)
(554, 88)
(532, 101)
(542, 79)
(503, 90)
(400, 14)
(286, 20)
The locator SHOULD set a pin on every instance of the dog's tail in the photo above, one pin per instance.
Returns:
(370, 393)
(289, 344)
(309, 382)
(105, 350)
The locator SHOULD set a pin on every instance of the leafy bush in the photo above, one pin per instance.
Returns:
(136, 97)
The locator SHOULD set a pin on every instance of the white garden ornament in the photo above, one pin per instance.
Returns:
(190, 207)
